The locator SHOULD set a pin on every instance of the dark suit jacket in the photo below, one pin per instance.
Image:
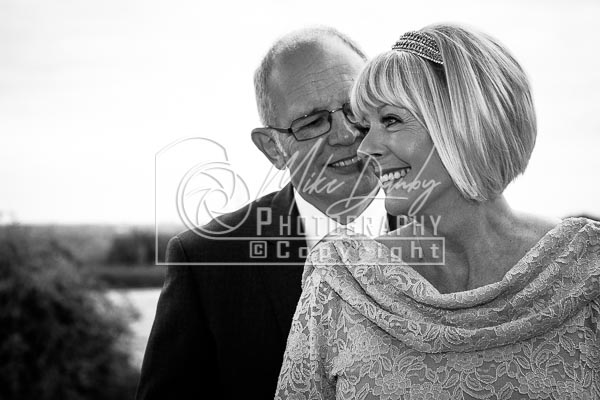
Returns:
(220, 330)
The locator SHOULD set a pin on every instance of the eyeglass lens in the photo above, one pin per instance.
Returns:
(319, 123)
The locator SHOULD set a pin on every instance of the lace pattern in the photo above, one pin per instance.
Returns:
(365, 328)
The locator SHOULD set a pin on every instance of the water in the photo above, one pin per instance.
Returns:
(144, 302)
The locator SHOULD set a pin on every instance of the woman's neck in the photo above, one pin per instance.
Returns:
(482, 241)
(470, 222)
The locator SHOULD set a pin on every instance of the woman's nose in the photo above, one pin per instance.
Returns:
(370, 147)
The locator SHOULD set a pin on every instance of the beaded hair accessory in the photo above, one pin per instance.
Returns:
(421, 44)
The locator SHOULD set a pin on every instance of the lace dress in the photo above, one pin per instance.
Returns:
(365, 328)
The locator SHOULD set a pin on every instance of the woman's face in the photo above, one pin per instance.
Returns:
(404, 157)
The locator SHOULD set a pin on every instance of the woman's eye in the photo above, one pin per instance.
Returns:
(390, 120)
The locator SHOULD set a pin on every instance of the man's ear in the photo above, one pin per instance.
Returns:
(264, 139)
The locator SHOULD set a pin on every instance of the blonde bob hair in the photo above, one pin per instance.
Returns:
(477, 106)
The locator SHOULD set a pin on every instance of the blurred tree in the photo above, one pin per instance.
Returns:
(136, 248)
(60, 338)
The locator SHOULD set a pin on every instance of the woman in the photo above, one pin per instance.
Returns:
(507, 305)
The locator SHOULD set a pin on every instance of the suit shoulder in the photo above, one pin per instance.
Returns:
(239, 223)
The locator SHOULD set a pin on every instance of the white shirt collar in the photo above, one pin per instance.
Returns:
(316, 225)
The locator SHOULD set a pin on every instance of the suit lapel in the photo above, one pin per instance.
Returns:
(282, 282)
(393, 222)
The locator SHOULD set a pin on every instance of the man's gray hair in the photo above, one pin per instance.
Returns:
(284, 46)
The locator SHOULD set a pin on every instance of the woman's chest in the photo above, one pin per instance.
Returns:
(561, 364)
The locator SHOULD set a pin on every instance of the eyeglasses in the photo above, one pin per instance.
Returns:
(313, 125)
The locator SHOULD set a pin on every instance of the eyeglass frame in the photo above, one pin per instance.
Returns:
(329, 120)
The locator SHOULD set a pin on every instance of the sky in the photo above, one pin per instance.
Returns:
(93, 93)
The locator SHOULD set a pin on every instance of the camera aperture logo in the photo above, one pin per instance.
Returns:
(209, 190)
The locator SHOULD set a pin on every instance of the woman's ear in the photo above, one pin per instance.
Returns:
(265, 140)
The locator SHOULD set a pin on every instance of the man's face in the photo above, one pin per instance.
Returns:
(319, 77)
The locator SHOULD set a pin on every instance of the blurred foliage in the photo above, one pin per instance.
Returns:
(88, 244)
(60, 338)
(136, 248)
(93, 245)
(125, 277)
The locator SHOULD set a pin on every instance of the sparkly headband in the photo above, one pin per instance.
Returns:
(420, 44)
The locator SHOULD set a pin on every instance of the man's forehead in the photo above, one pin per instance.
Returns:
(303, 102)
(316, 87)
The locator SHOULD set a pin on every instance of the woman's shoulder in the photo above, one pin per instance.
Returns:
(570, 239)
(584, 234)
(576, 229)
(574, 245)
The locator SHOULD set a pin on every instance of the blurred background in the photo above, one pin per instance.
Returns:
(91, 94)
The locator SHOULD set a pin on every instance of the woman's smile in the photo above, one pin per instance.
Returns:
(394, 175)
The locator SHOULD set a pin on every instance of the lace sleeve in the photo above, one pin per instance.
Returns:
(306, 363)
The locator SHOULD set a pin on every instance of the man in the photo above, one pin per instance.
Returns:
(220, 330)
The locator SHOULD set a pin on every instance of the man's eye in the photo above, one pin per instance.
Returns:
(312, 122)
(391, 120)
(316, 122)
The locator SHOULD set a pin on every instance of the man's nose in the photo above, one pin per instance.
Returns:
(343, 133)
